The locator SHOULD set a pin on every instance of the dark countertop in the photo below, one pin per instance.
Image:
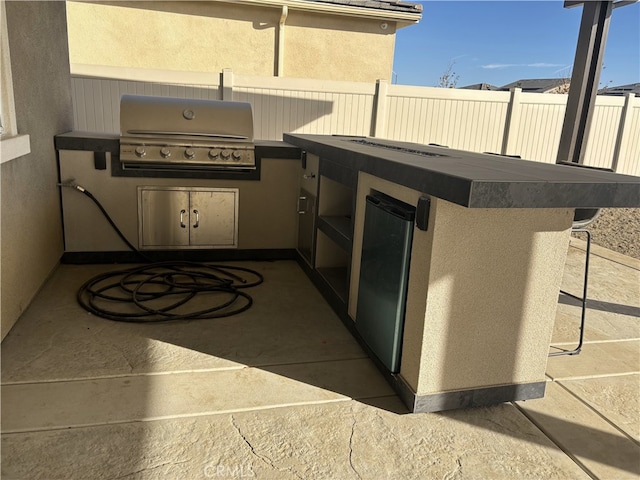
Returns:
(476, 180)
(88, 141)
(104, 142)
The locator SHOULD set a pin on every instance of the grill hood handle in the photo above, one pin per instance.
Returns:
(156, 133)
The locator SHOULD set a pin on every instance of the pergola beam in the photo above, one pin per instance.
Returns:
(592, 37)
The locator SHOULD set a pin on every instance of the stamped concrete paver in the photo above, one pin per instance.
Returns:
(346, 440)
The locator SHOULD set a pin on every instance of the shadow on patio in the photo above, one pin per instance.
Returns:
(284, 391)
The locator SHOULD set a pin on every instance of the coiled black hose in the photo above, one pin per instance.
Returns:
(165, 291)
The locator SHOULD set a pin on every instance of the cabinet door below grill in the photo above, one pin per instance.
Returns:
(164, 216)
(213, 218)
(187, 217)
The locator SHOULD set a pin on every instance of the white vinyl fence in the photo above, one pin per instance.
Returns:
(513, 123)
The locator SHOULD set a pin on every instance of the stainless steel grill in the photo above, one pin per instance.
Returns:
(178, 133)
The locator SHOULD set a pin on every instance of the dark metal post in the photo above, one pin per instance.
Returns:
(587, 66)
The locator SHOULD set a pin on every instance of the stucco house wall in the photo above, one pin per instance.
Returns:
(197, 36)
(328, 47)
(31, 230)
(210, 36)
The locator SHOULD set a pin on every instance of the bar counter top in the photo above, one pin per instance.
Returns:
(476, 180)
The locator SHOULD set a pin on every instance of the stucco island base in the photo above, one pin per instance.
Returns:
(481, 302)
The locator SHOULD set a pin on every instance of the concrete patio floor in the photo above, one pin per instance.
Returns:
(283, 391)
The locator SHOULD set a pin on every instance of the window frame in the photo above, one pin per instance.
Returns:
(12, 144)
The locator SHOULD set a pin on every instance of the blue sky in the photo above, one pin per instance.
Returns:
(499, 42)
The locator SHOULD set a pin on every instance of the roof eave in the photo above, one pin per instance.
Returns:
(401, 18)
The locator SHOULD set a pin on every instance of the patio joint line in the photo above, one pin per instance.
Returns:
(176, 416)
(121, 375)
(597, 412)
(310, 362)
(602, 256)
(594, 342)
(587, 377)
(151, 374)
(614, 340)
(558, 445)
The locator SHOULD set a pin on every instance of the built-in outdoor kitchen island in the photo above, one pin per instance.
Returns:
(489, 239)
(489, 244)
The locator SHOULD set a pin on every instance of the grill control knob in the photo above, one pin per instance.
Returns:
(140, 151)
(190, 153)
(225, 154)
(165, 152)
(237, 155)
(213, 153)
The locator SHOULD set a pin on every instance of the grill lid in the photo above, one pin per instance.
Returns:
(181, 117)
(162, 132)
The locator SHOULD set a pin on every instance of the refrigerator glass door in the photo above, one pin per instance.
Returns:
(384, 272)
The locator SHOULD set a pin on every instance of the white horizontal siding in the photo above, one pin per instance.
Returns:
(465, 124)
(97, 90)
(464, 119)
(278, 111)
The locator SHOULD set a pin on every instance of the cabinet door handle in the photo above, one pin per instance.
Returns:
(300, 210)
(197, 224)
(182, 225)
(307, 177)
